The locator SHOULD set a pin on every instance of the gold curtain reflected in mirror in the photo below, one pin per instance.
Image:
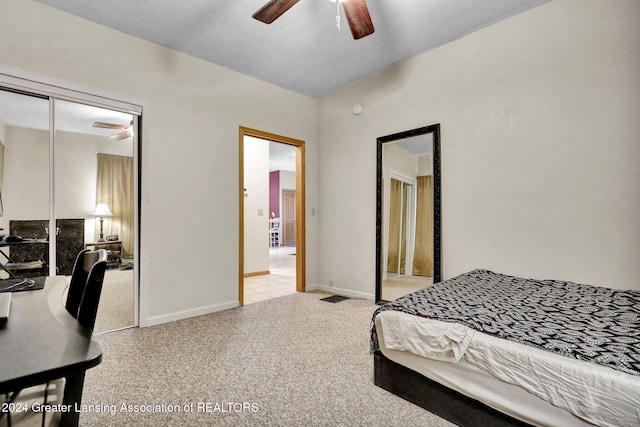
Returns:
(423, 257)
(115, 189)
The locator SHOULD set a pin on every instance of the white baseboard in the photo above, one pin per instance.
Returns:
(346, 292)
(179, 315)
(311, 287)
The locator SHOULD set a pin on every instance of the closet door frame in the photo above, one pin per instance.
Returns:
(410, 222)
(42, 86)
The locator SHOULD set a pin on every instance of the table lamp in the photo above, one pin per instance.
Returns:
(101, 211)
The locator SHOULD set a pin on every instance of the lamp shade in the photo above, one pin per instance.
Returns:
(101, 210)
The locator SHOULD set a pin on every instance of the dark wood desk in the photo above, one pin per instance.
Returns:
(41, 342)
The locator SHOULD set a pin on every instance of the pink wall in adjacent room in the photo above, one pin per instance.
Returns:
(274, 193)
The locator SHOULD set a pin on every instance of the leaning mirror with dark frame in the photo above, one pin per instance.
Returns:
(408, 211)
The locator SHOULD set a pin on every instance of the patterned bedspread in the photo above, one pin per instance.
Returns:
(584, 322)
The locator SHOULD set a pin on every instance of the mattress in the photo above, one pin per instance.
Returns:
(533, 385)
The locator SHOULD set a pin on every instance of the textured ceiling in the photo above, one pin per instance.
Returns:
(302, 50)
(421, 144)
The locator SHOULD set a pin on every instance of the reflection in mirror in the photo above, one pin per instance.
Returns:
(24, 186)
(408, 228)
(93, 163)
(94, 167)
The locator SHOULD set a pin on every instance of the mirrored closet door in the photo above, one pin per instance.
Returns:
(24, 186)
(68, 182)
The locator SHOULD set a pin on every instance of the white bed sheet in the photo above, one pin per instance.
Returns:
(534, 385)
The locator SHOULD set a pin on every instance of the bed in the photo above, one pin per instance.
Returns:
(485, 348)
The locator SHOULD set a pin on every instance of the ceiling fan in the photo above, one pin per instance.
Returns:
(356, 12)
(127, 130)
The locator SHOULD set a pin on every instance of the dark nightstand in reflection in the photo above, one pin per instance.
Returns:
(114, 251)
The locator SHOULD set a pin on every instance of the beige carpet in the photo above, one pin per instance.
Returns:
(396, 287)
(290, 361)
(295, 361)
(115, 310)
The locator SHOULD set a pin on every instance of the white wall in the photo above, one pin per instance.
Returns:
(2, 154)
(398, 160)
(2, 131)
(76, 170)
(287, 182)
(540, 133)
(256, 205)
(190, 147)
(26, 175)
(425, 165)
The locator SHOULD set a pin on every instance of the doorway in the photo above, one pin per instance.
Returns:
(261, 223)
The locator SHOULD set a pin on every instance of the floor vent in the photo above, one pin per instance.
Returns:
(334, 298)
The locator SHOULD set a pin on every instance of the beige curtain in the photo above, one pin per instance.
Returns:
(396, 252)
(115, 189)
(423, 256)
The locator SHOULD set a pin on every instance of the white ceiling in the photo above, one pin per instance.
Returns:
(282, 157)
(302, 50)
(421, 144)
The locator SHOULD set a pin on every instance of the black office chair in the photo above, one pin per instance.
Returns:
(85, 286)
(83, 297)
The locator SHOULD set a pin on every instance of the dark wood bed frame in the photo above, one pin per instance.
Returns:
(436, 398)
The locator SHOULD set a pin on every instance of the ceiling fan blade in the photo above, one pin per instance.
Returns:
(357, 14)
(122, 135)
(273, 10)
(109, 126)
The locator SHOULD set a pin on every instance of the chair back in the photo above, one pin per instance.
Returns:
(274, 224)
(85, 286)
(76, 284)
